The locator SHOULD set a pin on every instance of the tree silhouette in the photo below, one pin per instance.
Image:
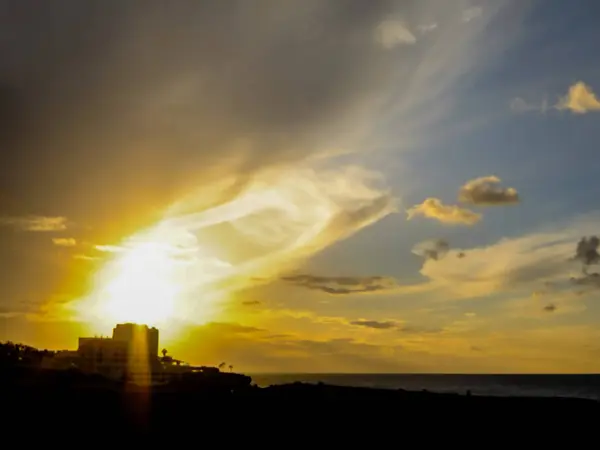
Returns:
(222, 365)
(230, 368)
(164, 352)
(14, 353)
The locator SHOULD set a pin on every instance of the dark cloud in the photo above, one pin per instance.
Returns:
(550, 308)
(342, 285)
(587, 251)
(388, 324)
(279, 336)
(432, 249)
(374, 324)
(484, 191)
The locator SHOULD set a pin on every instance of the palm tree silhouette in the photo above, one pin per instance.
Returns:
(164, 352)
(230, 368)
(222, 365)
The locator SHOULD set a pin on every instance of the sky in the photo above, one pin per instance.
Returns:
(345, 186)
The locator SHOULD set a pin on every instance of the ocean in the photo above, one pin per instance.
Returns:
(579, 386)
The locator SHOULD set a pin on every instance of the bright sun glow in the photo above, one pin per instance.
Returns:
(144, 288)
(187, 266)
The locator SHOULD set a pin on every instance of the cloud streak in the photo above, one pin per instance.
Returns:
(64, 242)
(36, 223)
(519, 105)
(393, 325)
(251, 303)
(342, 285)
(375, 324)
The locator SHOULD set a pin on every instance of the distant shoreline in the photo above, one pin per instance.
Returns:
(585, 386)
(86, 402)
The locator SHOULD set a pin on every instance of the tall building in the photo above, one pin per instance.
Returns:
(141, 338)
(131, 352)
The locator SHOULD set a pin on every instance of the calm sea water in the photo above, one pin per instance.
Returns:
(581, 386)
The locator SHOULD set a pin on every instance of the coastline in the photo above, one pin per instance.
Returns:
(55, 398)
(492, 385)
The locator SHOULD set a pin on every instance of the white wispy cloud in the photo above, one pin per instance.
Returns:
(427, 28)
(528, 262)
(520, 105)
(472, 13)
(391, 33)
(86, 257)
(109, 248)
(426, 84)
(254, 112)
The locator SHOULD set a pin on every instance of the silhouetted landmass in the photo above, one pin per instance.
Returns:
(37, 398)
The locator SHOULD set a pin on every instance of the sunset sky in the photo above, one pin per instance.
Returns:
(305, 186)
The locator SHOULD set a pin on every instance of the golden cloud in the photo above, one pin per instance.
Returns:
(580, 99)
(433, 208)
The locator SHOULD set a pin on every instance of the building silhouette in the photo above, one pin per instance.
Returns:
(139, 337)
(131, 353)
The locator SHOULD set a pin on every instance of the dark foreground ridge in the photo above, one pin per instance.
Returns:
(89, 403)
